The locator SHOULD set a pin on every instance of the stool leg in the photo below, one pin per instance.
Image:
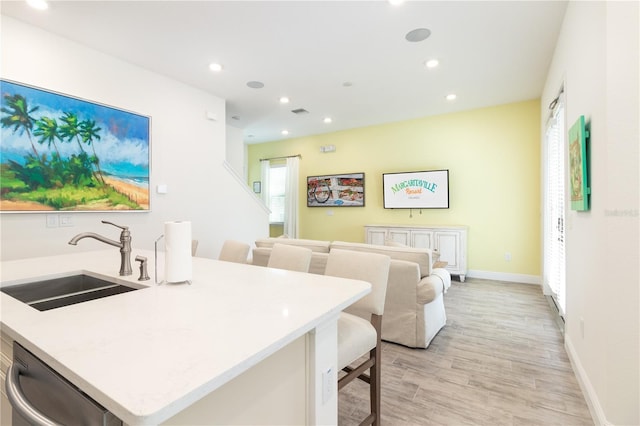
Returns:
(375, 371)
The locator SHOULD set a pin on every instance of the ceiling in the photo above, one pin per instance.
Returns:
(348, 60)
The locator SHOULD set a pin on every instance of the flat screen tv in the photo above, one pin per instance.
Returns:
(416, 190)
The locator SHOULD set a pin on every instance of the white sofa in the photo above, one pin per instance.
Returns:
(414, 305)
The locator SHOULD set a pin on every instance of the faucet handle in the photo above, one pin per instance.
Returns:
(143, 268)
(124, 228)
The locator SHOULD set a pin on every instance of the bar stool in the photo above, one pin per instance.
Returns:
(234, 251)
(290, 257)
(359, 326)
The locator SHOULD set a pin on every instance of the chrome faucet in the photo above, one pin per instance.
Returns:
(124, 245)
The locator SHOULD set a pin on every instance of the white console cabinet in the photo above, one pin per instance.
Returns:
(449, 241)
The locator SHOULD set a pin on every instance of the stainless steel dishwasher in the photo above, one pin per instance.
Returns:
(39, 396)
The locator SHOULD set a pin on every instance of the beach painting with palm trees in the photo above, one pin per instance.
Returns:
(60, 153)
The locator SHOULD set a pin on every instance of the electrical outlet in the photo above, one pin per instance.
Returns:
(507, 257)
(582, 327)
(328, 384)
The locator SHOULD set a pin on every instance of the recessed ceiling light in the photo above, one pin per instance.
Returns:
(432, 63)
(38, 4)
(419, 34)
(395, 2)
(285, 132)
(327, 120)
(255, 84)
(215, 67)
(284, 100)
(451, 97)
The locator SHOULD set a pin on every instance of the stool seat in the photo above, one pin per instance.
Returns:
(356, 336)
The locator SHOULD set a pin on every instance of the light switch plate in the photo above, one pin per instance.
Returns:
(52, 221)
(66, 220)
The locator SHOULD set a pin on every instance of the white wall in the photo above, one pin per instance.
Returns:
(597, 59)
(188, 150)
(236, 151)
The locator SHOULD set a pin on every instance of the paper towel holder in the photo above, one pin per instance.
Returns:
(155, 256)
(155, 261)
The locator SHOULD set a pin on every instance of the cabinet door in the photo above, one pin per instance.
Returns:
(402, 236)
(421, 238)
(376, 236)
(448, 244)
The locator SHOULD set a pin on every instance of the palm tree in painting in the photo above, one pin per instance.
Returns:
(70, 128)
(47, 132)
(89, 133)
(18, 116)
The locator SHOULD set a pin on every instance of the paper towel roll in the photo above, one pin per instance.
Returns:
(177, 256)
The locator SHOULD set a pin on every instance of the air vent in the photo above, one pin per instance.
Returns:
(300, 111)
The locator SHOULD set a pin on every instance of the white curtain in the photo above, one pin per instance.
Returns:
(264, 177)
(291, 198)
(554, 205)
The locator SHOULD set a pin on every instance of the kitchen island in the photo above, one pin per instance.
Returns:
(240, 345)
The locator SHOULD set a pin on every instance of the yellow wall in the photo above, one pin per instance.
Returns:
(493, 157)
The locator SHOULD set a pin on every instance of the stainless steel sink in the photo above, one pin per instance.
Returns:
(58, 292)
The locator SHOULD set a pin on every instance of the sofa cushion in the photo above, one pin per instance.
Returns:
(421, 256)
(260, 256)
(391, 243)
(435, 254)
(314, 245)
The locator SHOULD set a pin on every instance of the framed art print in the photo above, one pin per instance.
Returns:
(61, 153)
(345, 190)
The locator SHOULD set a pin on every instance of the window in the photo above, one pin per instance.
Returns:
(280, 192)
(277, 192)
(554, 256)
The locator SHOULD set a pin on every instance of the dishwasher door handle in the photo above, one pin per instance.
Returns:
(19, 401)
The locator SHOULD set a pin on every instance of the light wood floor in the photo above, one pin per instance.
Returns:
(500, 360)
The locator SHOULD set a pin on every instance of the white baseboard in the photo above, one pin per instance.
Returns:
(505, 276)
(585, 384)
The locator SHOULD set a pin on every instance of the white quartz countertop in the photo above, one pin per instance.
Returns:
(146, 355)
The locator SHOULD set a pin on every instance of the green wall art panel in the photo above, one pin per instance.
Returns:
(579, 165)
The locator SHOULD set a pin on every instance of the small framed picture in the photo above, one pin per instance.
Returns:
(257, 187)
